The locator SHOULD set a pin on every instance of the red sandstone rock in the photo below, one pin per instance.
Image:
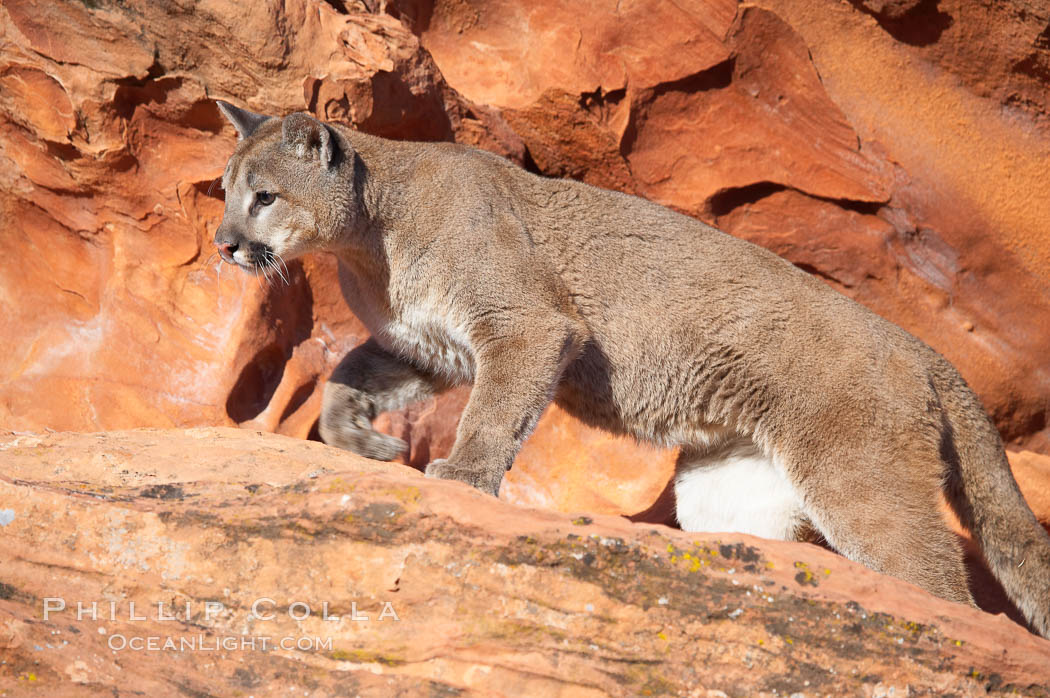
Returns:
(1032, 471)
(569, 467)
(491, 599)
(889, 9)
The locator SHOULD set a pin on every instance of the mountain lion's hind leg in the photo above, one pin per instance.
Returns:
(366, 382)
(887, 517)
(735, 487)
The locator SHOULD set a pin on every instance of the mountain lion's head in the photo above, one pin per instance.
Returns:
(289, 189)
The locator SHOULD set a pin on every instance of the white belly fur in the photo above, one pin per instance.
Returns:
(735, 487)
(426, 332)
(434, 341)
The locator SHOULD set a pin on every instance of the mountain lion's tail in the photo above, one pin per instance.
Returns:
(985, 496)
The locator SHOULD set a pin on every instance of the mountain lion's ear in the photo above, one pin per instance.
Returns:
(310, 138)
(243, 120)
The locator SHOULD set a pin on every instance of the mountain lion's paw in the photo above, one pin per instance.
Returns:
(481, 479)
(366, 442)
(383, 446)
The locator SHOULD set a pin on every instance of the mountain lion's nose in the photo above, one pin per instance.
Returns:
(226, 250)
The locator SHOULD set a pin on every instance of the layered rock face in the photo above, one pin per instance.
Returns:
(229, 562)
(897, 150)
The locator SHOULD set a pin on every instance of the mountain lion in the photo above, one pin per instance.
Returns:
(790, 403)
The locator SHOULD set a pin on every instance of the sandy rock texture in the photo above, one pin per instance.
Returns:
(895, 148)
(362, 578)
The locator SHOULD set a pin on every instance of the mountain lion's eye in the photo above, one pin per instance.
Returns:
(265, 198)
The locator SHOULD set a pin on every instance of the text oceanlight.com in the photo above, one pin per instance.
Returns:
(226, 643)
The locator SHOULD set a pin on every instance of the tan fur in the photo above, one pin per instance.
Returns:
(637, 320)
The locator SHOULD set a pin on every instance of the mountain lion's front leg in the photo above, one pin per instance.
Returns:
(517, 371)
(368, 381)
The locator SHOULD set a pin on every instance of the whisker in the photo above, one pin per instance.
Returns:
(269, 276)
(207, 261)
(288, 274)
(273, 263)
